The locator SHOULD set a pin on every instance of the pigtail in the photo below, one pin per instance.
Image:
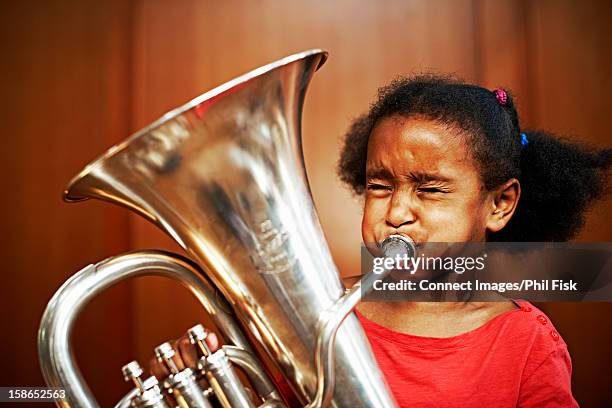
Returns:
(559, 180)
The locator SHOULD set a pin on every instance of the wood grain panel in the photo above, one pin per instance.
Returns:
(502, 50)
(570, 58)
(65, 73)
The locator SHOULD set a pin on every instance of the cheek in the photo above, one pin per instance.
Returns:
(441, 223)
(473, 225)
(459, 221)
(371, 216)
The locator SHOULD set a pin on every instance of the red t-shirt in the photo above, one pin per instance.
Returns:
(517, 359)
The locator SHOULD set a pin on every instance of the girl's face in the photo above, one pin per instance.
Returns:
(422, 183)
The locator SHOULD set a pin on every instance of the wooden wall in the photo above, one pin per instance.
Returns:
(80, 76)
(65, 98)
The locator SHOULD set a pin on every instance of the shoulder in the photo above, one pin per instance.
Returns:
(527, 343)
(547, 370)
(533, 325)
(544, 348)
(531, 330)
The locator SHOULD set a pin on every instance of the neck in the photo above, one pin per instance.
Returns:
(402, 309)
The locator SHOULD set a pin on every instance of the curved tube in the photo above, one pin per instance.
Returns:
(54, 345)
(249, 364)
(126, 401)
(332, 318)
(329, 323)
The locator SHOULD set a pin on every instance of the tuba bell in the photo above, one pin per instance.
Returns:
(224, 176)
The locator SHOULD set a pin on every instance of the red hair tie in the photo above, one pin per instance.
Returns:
(501, 96)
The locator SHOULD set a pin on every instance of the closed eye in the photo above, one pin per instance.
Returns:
(378, 187)
(432, 190)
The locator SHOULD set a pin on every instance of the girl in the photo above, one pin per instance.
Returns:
(442, 161)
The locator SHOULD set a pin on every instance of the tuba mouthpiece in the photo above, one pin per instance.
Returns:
(397, 244)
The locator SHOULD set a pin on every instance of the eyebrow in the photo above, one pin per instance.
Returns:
(422, 177)
(415, 176)
(379, 173)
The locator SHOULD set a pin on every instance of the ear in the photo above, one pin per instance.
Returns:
(504, 200)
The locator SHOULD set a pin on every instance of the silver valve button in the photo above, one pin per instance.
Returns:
(133, 372)
(165, 353)
(197, 336)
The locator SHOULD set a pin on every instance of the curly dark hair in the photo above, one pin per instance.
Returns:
(559, 178)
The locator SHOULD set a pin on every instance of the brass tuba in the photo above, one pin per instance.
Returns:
(224, 176)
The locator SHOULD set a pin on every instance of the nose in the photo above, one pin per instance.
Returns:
(401, 210)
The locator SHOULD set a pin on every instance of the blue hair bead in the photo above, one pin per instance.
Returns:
(524, 140)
